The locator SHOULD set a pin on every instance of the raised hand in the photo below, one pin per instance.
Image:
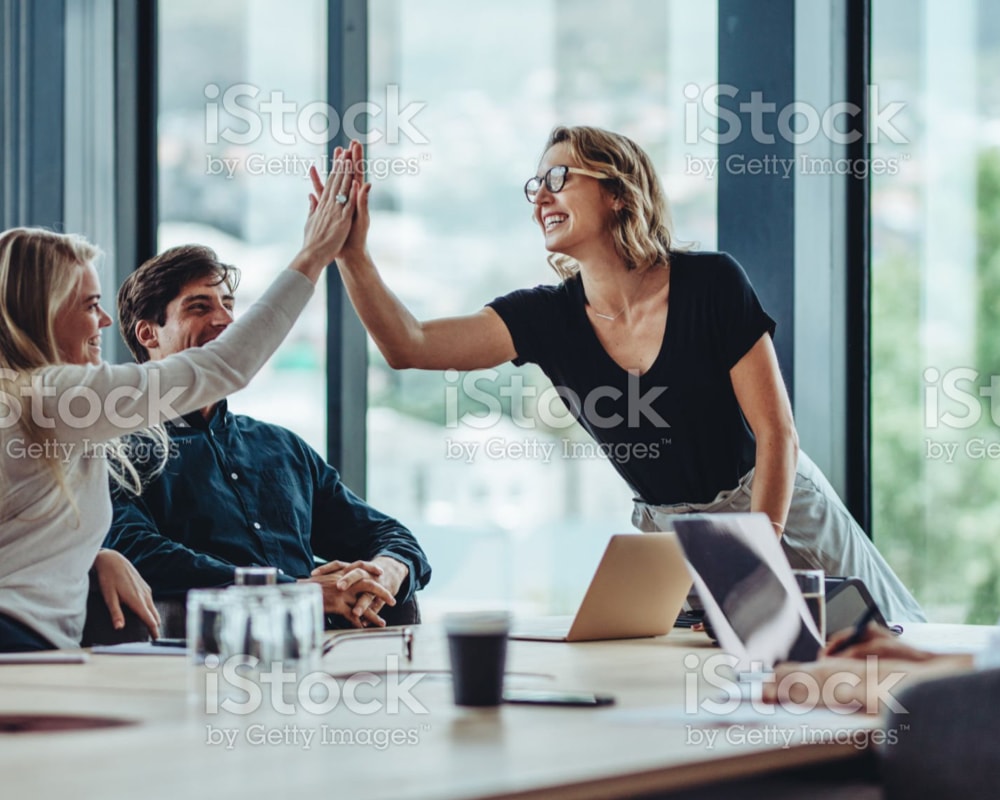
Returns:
(357, 239)
(331, 212)
(352, 158)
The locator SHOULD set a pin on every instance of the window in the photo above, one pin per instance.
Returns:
(232, 167)
(935, 229)
(505, 517)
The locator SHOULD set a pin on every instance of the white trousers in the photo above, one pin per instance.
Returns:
(820, 533)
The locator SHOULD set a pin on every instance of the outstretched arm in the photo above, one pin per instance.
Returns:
(129, 397)
(476, 341)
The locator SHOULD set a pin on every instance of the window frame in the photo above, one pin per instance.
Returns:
(805, 245)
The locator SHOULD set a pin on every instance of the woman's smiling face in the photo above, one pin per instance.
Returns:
(79, 322)
(578, 212)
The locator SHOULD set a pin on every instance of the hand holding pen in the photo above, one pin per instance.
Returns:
(865, 639)
(838, 645)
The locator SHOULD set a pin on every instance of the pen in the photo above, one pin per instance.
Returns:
(170, 642)
(859, 631)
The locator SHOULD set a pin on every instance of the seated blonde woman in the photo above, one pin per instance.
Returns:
(62, 410)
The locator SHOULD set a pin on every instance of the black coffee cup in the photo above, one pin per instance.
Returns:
(477, 646)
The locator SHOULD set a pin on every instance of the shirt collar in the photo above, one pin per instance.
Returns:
(219, 419)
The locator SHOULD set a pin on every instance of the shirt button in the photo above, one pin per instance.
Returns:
(234, 476)
(256, 526)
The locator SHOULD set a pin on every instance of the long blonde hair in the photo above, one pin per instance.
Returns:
(39, 273)
(641, 227)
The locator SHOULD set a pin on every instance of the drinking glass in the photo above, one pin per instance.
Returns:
(256, 576)
(813, 585)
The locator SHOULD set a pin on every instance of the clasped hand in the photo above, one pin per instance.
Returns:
(357, 591)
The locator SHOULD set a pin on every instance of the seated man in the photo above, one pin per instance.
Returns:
(240, 492)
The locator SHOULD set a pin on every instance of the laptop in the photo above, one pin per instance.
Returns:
(746, 585)
(637, 590)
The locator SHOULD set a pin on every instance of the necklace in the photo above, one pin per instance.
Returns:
(613, 317)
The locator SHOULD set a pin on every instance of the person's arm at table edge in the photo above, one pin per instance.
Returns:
(346, 528)
(761, 394)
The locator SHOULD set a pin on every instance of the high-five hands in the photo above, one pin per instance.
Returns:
(331, 214)
(352, 159)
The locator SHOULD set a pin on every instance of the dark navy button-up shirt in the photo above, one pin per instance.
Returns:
(240, 492)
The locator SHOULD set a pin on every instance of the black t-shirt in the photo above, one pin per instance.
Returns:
(676, 433)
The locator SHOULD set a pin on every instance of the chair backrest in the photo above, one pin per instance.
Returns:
(948, 744)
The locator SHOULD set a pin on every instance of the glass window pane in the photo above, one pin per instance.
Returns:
(232, 167)
(935, 303)
(516, 522)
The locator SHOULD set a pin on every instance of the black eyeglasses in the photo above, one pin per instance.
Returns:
(555, 179)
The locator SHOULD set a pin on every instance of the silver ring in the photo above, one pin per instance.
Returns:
(341, 199)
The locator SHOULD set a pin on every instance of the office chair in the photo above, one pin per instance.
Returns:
(948, 744)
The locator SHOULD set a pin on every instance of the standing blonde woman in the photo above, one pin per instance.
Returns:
(664, 356)
(62, 408)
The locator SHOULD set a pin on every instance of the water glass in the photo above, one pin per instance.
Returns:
(255, 576)
(270, 623)
(812, 582)
(205, 613)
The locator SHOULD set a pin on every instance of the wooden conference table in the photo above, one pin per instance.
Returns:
(175, 747)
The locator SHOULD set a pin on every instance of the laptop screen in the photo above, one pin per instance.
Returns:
(747, 588)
